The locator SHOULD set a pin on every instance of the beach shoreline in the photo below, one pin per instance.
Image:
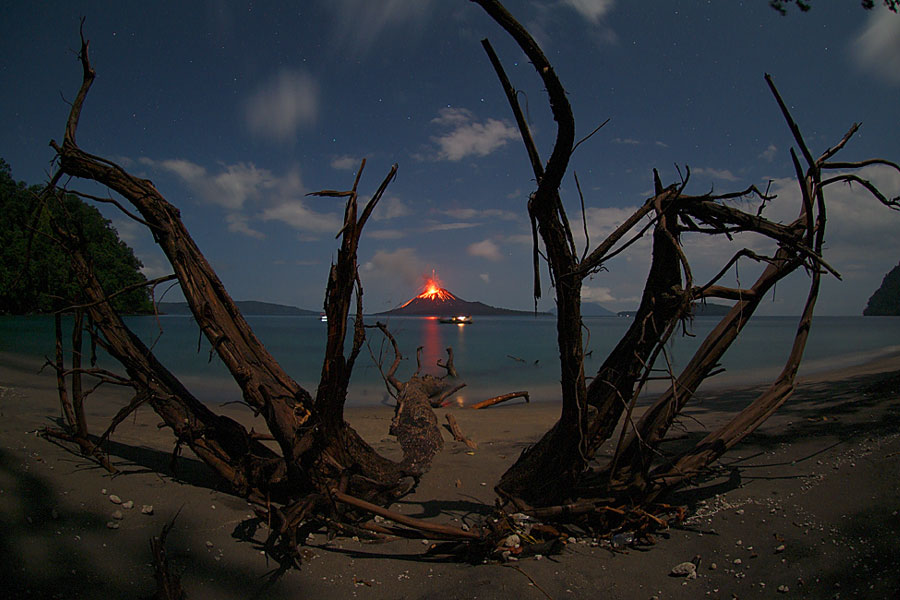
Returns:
(818, 479)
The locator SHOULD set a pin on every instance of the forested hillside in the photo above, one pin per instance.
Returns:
(35, 276)
(886, 299)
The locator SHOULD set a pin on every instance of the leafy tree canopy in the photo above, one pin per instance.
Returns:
(804, 5)
(41, 280)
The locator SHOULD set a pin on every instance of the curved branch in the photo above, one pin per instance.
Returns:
(892, 203)
(87, 79)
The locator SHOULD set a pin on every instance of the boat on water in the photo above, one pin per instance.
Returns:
(457, 320)
(323, 317)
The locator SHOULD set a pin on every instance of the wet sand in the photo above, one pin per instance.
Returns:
(805, 507)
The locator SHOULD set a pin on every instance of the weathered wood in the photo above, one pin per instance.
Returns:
(444, 531)
(457, 432)
(416, 427)
(60, 367)
(442, 399)
(499, 399)
(549, 471)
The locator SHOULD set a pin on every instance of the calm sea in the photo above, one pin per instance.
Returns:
(493, 355)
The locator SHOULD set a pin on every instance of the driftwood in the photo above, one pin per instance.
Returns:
(442, 399)
(320, 473)
(555, 471)
(500, 398)
(316, 449)
(457, 432)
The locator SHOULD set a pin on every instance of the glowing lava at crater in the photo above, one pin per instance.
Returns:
(433, 292)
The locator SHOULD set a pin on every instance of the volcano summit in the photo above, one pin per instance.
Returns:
(435, 301)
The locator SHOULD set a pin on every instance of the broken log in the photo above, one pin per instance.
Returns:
(501, 398)
(457, 432)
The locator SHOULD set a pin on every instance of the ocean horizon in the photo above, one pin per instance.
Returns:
(493, 355)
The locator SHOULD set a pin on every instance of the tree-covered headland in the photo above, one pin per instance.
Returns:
(886, 299)
(35, 273)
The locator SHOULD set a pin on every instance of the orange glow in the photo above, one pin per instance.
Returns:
(433, 291)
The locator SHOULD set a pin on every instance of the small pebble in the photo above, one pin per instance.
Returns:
(713, 566)
(147, 509)
(779, 549)
(783, 589)
(128, 505)
(117, 515)
(738, 561)
(115, 499)
(112, 525)
(209, 544)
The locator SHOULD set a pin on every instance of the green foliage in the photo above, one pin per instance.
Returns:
(886, 299)
(41, 280)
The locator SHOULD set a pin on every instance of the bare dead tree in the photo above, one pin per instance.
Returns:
(324, 473)
(557, 470)
(319, 455)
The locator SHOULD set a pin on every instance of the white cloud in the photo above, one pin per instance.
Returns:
(346, 163)
(248, 192)
(475, 213)
(238, 224)
(468, 137)
(300, 217)
(155, 265)
(722, 174)
(485, 249)
(230, 188)
(385, 234)
(592, 10)
(361, 22)
(769, 153)
(877, 48)
(401, 264)
(626, 141)
(282, 105)
(390, 207)
(485, 277)
(596, 294)
(451, 226)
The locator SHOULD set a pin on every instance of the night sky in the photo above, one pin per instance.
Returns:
(237, 110)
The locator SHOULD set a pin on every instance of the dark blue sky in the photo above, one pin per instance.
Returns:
(237, 110)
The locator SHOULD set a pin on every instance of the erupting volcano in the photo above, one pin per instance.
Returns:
(436, 301)
(433, 292)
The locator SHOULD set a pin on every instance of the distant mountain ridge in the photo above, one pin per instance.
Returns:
(247, 307)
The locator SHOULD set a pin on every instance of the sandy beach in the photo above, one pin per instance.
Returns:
(806, 507)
